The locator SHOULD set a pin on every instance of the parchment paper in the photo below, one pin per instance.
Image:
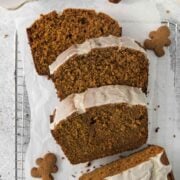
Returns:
(137, 21)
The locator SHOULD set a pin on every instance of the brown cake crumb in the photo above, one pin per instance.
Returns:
(157, 129)
(63, 158)
(114, 1)
(53, 33)
(52, 116)
(121, 156)
(6, 35)
(88, 164)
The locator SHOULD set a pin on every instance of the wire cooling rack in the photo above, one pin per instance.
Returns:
(22, 114)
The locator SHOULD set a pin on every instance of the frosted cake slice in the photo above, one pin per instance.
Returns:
(98, 62)
(100, 122)
(150, 163)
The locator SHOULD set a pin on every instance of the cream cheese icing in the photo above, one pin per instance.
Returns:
(93, 97)
(153, 169)
(88, 45)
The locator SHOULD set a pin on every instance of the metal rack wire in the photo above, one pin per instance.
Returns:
(22, 109)
(22, 117)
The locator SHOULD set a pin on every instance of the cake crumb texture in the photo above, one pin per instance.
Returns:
(100, 67)
(102, 131)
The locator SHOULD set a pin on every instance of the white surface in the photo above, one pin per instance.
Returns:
(7, 74)
(94, 97)
(7, 88)
(160, 87)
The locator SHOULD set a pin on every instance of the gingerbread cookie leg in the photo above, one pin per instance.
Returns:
(159, 51)
(50, 177)
(35, 172)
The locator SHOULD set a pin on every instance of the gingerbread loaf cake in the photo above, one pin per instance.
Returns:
(150, 163)
(98, 62)
(53, 33)
(100, 122)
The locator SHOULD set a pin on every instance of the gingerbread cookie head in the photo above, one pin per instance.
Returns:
(158, 39)
(47, 165)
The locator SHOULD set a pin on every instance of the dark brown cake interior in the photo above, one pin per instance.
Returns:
(53, 33)
(102, 131)
(102, 66)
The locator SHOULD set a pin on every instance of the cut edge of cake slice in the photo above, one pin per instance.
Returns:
(101, 122)
(94, 97)
(88, 45)
(149, 163)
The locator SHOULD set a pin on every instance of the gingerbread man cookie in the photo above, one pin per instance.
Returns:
(47, 165)
(158, 39)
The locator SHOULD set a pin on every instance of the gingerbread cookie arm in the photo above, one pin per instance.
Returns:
(168, 42)
(165, 30)
(152, 34)
(148, 44)
(35, 172)
(39, 161)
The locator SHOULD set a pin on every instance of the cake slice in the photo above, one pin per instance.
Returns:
(100, 122)
(150, 163)
(53, 33)
(99, 62)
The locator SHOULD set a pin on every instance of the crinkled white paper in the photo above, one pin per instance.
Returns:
(137, 18)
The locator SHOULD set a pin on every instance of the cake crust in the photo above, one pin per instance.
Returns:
(53, 33)
(127, 163)
(102, 131)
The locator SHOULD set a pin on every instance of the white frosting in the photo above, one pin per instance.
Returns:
(153, 169)
(88, 45)
(96, 97)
